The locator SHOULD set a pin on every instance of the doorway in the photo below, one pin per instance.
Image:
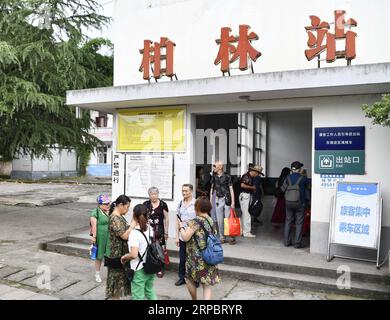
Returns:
(271, 139)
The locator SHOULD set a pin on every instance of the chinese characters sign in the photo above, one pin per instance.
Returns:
(153, 56)
(154, 129)
(339, 162)
(339, 150)
(319, 30)
(356, 214)
(329, 181)
(118, 168)
(340, 138)
(228, 52)
(233, 48)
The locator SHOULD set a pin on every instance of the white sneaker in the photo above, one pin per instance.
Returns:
(97, 278)
(249, 235)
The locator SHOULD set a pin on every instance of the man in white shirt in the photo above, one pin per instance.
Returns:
(185, 213)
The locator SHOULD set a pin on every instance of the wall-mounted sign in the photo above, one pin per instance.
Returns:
(339, 162)
(157, 57)
(320, 39)
(149, 170)
(117, 174)
(340, 138)
(329, 181)
(151, 129)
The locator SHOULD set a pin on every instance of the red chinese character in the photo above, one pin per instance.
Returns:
(315, 42)
(152, 57)
(228, 53)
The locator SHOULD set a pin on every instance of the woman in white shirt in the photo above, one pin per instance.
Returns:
(142, 285)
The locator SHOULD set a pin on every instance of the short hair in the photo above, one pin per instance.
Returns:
(188, 185)
(203, 204)
(153, 189)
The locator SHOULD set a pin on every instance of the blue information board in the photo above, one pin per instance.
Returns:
(340, 138)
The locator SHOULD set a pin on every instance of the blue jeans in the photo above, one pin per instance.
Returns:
(182, 257)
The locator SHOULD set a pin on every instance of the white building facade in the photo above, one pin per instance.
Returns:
(268, 117)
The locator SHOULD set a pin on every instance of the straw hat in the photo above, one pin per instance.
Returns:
(257, 168)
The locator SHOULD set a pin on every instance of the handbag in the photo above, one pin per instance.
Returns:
(232, 225)
(255, 208)
(113, 262)
(130, 272)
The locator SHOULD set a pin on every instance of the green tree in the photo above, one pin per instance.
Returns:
(379, 111)
(43, 53)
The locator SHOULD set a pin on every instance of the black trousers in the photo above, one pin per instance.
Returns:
(182, 257)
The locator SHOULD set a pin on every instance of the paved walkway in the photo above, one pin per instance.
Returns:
(44, 194)
(13, 293)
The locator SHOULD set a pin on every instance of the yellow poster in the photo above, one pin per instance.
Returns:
(152, 129)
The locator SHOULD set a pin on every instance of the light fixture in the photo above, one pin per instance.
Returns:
(246, 98)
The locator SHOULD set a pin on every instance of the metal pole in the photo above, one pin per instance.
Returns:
(379, 235)
(328, 257)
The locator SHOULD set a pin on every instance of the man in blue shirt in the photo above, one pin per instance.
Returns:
(295, 187)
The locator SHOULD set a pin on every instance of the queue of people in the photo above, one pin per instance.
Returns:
(124, 245)
(127, 243)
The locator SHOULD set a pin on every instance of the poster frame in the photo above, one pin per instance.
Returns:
(127, 154)
(379, 206)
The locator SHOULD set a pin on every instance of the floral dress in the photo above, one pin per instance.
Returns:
(117, 283)
(196, 269)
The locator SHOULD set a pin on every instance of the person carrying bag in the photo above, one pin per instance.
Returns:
(232, 225)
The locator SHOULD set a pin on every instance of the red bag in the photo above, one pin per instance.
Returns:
(306, 222)
(166, 256)
(232, 225)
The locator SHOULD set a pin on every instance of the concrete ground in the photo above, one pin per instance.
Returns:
(23, 267)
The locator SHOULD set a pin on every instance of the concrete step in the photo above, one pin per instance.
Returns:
(68, 248)
(264, 264)
(299, 281)
(265, 273)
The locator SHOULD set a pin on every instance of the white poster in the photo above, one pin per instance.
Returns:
(356, 214)
(149, 170)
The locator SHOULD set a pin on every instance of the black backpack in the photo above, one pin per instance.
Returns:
(154, 256)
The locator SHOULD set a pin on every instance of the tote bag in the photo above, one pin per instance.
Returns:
(232, 226)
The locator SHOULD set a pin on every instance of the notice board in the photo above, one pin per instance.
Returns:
(149, 170)
(357, 215)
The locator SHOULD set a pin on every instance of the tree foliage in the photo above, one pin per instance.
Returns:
(43, 53)
(379, 111)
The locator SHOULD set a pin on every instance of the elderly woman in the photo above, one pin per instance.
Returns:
(197, 270)
(99, 231)
(158, 215)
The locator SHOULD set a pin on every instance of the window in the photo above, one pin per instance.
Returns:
(257, 149)
(101, 120)
(102, 155)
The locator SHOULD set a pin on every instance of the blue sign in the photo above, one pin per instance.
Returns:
(340, 138)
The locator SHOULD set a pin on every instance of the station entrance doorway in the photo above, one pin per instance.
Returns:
(272, 140)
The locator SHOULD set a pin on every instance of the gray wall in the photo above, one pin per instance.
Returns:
(63, 163)
(289, 136)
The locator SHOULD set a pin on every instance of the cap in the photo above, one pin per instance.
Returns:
(296, 165)
(103, 199)
(257, 168)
